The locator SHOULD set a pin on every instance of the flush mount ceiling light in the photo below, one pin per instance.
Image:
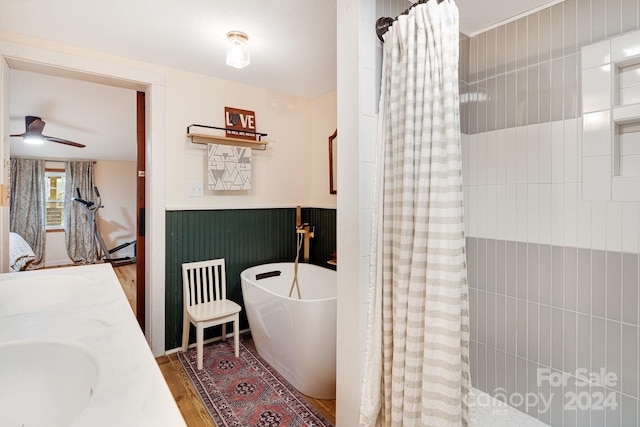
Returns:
(237, 49)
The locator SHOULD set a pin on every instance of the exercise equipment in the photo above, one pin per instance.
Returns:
(92, 209)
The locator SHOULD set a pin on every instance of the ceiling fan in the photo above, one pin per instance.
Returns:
(33, 135)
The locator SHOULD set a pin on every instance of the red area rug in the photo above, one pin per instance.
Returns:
(246, 391)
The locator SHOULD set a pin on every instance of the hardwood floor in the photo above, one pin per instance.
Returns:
(127, 276)
(192, 409)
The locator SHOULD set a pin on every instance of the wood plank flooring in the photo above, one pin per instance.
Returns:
(127, 276)
(192, 409)
(185, 395)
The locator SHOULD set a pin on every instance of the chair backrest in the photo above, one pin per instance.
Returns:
(204, 281)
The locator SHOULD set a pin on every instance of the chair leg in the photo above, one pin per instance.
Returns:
(236, 334)
(185, 332)
(199, 343)
(224, 332)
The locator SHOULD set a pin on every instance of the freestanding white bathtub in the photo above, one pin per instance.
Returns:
(295, 336)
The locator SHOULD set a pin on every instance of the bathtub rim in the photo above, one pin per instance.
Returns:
(243, 278)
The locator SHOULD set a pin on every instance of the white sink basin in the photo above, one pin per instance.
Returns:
(44, 383)
(43, 293)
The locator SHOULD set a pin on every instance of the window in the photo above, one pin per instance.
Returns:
(55, 184)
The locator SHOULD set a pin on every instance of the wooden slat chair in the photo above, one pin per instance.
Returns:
(206, 303)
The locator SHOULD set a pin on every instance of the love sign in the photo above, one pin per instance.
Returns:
(238, 122)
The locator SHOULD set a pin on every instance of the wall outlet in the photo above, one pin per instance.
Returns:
(195, 189)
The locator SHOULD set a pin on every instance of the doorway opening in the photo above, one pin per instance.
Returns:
(35, 59)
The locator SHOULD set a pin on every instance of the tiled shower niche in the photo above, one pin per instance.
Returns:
(611, 119)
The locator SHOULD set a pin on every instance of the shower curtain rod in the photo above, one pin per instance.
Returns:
(383, 24)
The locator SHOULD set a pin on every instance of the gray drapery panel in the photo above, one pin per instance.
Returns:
(28, 210)
(78, 225)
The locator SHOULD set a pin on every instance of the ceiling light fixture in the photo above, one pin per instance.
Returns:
(237, 49)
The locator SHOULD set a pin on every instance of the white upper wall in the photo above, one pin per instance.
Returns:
(117, 219)
(279, 174)
(282, 175)
(324, 119)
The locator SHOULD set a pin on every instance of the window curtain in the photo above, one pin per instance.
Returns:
(417, 343)
(28, 209)
(78, 222)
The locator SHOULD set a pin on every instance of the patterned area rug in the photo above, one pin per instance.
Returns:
(246, 391)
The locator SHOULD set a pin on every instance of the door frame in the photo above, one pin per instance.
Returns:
(31, 57)
(140, 208)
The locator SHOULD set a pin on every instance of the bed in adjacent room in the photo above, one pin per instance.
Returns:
(20, 253)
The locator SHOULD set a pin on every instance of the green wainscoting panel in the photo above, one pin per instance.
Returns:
(244, 237)
(324, 242)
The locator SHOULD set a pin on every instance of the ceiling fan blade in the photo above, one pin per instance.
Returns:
(18, 134)
(63, 141)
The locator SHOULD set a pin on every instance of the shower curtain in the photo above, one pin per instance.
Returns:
(417, 344)
(80, 240)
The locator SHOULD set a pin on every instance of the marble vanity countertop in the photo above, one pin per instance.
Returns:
(85, 306)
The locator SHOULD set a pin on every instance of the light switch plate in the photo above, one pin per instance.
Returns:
(195, 189)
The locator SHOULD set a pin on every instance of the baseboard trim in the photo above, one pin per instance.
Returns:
(175, 350)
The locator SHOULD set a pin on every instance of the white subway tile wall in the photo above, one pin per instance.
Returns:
(553, 268)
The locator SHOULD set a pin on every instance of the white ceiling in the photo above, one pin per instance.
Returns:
(101, 117)
(479, 15)
(292, 42)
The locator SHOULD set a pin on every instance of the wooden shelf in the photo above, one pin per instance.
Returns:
(200, 134)
(210, 139)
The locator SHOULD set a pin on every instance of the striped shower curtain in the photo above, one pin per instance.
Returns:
(417, 343)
